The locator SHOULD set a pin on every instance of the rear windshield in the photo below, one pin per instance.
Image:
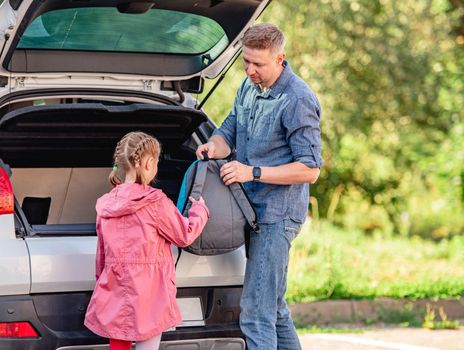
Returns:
(107, 29)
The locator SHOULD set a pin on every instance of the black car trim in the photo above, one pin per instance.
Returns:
(60, 230)
(91, 92)
(15, 4)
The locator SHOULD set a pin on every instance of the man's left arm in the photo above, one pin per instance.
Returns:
(289, 174)
(301, 123)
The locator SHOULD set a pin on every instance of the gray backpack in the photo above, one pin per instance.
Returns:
(232, 216)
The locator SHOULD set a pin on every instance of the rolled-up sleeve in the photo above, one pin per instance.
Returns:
(302, 124)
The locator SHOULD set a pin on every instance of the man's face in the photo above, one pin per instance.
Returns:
(263, 67)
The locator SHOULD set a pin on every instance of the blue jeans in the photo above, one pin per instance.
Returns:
(264, 316)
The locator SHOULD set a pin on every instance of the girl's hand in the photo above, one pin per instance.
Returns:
(201, 200)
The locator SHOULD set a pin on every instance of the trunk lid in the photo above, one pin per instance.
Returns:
(132, 41)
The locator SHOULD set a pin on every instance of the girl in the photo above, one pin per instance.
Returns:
(135, 294)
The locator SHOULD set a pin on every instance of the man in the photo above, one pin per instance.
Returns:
(274, 129)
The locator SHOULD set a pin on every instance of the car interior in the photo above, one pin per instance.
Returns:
(60, 164)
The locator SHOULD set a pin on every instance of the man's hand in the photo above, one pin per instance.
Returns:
(236, 172)
(208, 147)
(216, 147)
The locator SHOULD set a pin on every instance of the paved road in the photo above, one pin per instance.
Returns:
(392, 339)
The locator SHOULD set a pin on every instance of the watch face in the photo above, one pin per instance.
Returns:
(256, 173)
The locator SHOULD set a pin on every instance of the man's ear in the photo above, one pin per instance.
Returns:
(281, 57)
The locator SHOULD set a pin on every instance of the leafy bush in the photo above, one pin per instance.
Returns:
(331, 263)
(389, 76)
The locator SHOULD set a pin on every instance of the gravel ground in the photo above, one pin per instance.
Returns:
(381, 339)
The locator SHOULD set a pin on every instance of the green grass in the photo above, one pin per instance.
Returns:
(330, 263)
(431, 322)
(330, 330)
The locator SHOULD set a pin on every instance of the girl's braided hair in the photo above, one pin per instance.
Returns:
(129, 153)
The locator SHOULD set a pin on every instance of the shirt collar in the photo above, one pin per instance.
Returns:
(279, 85)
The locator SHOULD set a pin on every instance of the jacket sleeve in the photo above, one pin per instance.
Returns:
(178, 229)
(100, 256)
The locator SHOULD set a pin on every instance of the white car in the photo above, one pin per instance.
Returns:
(76, 75)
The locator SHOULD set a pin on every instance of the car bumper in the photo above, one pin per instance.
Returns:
(199, 344)
(58, 319)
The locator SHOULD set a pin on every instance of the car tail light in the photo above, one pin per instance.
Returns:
(17, 330)
(6, 194)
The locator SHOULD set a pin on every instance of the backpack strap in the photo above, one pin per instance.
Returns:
(244, 204)
(236, 189)
(239, 193)
(182, 199)
(200, 177)
(184, 191)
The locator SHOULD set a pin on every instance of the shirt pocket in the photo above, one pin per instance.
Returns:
(263, 124)
(243, 114)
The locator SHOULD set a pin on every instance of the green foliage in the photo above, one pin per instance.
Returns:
(329, 263)
(430, 321)
(405, 317)
(390, 79)
(326, 330)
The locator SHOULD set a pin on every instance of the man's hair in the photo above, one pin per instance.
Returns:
(264, 36)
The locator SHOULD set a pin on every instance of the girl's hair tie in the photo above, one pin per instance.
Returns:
(115, 168)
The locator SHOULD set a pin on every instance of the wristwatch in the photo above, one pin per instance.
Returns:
(256, 173)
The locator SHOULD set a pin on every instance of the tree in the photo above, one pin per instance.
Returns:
(388, 74)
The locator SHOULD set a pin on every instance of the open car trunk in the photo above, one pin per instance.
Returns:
(61, 156)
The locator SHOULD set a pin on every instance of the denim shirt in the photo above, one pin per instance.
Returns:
(275, 127)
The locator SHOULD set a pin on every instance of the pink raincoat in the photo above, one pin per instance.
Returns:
(135, 294)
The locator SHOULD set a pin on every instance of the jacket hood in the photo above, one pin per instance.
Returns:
(126, 199)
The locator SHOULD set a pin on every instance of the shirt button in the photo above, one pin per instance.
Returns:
(248, 139)
(251, 117)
